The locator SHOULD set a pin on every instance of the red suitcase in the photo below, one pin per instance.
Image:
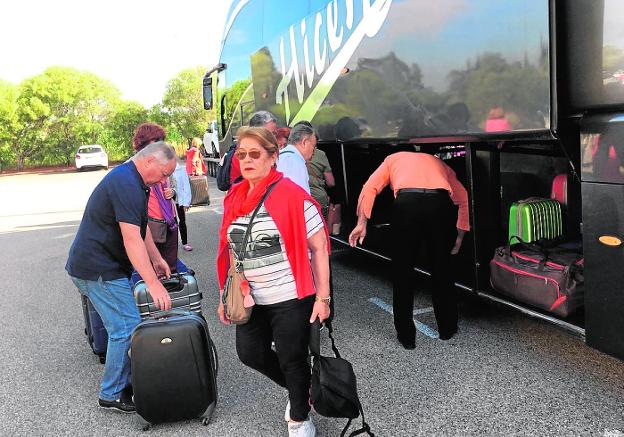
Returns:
(560, 189)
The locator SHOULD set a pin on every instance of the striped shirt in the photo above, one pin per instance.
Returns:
(266, 264)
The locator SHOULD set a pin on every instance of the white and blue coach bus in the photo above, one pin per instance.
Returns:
(510, 94)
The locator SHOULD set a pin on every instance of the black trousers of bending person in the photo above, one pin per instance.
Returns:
(288, 324)
(182, 223)
(427, 219)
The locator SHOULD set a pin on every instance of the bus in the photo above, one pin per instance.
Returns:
(511, 95)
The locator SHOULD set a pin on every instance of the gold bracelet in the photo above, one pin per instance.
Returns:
(325, 300)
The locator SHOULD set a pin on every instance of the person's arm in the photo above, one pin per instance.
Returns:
(329, 179)
(138, 253)
(459, 196)
(327, 172)
(317, 244)
(373, 186)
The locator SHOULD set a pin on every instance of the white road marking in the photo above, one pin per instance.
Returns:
(423, 328)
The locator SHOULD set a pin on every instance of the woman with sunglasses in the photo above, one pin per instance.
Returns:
(160, 207)
(286, 261)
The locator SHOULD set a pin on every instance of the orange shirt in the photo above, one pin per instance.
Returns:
(415, 170)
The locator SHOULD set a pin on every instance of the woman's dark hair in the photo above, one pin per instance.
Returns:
(147, 133)
(282, 132)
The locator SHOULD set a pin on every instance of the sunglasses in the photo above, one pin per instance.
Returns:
(254, 154)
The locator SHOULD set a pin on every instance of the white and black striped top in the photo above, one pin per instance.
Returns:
(266, 264)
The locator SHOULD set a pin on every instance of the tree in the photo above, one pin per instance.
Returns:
(183, 103)
(27, 131)
(79, 103)
(119, 127)
(8, 121)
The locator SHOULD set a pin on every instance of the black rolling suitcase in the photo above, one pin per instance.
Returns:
(174, 369)
(94, 329)
(199, 190)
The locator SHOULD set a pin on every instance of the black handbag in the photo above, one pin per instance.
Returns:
(334, 387)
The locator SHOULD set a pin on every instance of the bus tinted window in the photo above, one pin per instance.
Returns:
(413, 69)
(277, 18)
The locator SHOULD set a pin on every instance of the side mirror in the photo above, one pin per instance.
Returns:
(207, 91)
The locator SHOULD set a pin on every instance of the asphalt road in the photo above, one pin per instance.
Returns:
(503, 374)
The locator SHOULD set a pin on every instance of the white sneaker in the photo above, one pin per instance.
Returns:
(287, 412)
(302, 429)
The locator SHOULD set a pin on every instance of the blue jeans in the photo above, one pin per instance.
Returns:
(115, 304)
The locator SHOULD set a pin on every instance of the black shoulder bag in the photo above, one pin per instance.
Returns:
(334, 386)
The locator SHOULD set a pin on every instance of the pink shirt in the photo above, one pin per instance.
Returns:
(153, 207)
(497, 125)
(415, 170)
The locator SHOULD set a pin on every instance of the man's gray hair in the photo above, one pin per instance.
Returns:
(261, 119)
(301, 131)
(161, 150)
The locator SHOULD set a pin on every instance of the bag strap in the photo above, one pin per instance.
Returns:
(315, 339)
(243, 250)
(315, 349)
(364, 429)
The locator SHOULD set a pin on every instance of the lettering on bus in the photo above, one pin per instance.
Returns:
(330, 29)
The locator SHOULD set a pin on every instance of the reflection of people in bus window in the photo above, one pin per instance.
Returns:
(497, 121)
(607, 157)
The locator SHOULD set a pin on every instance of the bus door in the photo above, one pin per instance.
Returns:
(602, 150)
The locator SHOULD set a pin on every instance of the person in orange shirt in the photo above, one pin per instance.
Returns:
(195, 165)
(425, 211)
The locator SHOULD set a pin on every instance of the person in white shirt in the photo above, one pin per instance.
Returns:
(182, 187)
(293, 157)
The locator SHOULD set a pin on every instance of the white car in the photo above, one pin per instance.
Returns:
(91, 156)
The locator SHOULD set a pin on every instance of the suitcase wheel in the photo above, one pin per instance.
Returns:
(102, 359)
(146, 427)
(205, 421)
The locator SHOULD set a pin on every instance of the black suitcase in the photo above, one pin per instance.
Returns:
(183, 291)
(94, 329)
(199, 190)
(174, 369)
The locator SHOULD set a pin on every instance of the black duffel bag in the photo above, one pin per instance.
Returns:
(334, 386)
(550, 278)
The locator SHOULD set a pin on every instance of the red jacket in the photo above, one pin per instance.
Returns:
(285, 206)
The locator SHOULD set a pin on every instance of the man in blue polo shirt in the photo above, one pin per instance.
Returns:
(292, 158)
(111, 240)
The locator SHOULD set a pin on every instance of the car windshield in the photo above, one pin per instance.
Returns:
(91, 149)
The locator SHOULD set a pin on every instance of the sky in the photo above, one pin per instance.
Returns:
(138, 45)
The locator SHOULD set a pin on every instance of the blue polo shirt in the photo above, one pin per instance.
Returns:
(98, 250)
(292, 163)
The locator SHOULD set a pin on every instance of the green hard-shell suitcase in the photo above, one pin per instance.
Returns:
(535, 219)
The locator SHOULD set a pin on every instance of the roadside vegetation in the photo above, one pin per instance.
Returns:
(45, 118)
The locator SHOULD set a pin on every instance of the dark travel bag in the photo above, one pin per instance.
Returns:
(182, 288)
(94, 329)
(547, 278)
(199, 190)
(174, 369)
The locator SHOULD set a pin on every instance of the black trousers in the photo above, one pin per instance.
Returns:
(288, 324)
(427, 219)
(182, 223)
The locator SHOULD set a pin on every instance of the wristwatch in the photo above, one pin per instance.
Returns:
(325, 300)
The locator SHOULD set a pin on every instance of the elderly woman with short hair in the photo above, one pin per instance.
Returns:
(161, 210)
(287, 266)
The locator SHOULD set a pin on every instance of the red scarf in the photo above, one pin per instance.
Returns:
(285, 206)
